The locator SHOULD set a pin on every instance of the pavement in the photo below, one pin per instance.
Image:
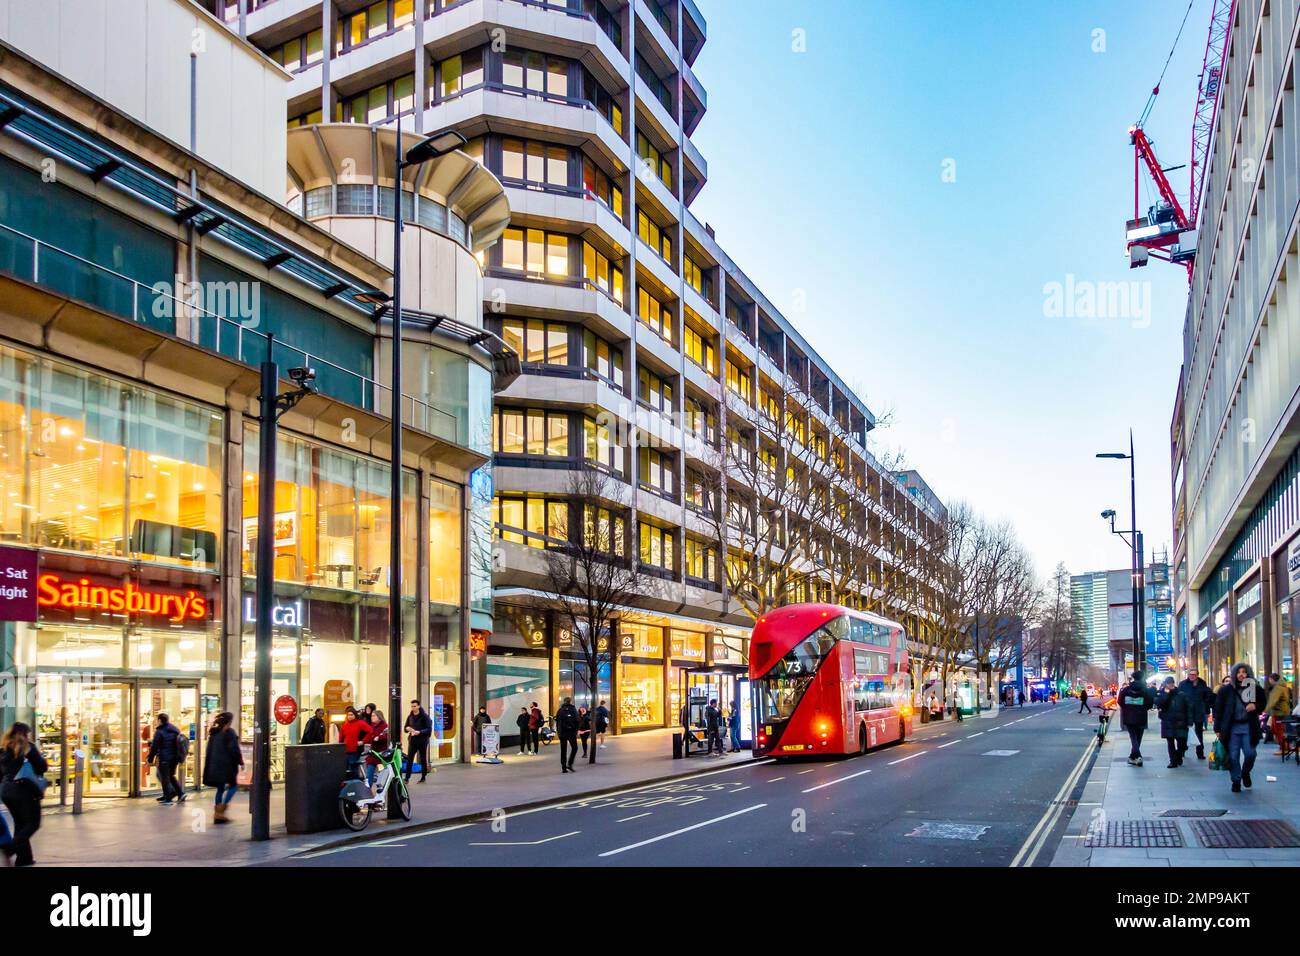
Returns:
(140, 832)
(983, 792)
(1116, 793)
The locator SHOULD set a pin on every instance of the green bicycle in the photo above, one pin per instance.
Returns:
(357, 801)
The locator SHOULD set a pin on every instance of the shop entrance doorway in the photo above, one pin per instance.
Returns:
(111, 721)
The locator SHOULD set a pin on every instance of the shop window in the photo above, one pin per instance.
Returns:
(640, 695)
(444, 542)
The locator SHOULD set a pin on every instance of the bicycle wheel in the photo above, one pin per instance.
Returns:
(403, 797)
(354, 817)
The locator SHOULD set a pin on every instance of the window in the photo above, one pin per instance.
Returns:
(738, 316)
(298, 53)
(655, 236)
(654, 83)
(530, 431)
(697, 278)
(738, 380)
(654, 160)
(699, 493)
(599, 271)
(701, 561)
(366, 24)
(537, 165)
(599, 447)
(460, 73)
(379, 103)
(657, 550)
(654, 314)
(532, 520)
(603, 359)
(602, 530)
(699, 346)
(606, 105)
(597, 184)
(306, 119)
(654, 391)
(532, 73)
(658, 470)
(702, 420)
(537, 342)
(535, 251)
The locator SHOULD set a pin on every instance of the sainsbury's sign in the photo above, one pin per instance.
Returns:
(53, 591)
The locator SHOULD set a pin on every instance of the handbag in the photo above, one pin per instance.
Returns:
(28, 773)
(1218, 756)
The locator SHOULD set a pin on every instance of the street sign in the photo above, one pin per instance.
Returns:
(18, 568)
(285, 709)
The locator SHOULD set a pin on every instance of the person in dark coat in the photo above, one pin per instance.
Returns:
(1134, 701)
(1175, 717)
(419, 728)
(713, 726)
(1200, 703)
(314, 731)
(566, 725)
(22, 797)
(1237, 707)
(165, 751)
(535, 721)
(1083, 700)
(601, 716)
(481, 720)
(222, 761)
(733, 725)
(584, 728)
(522, 722)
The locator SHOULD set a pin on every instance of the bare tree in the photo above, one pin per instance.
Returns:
(1059, 645)
(590, 573)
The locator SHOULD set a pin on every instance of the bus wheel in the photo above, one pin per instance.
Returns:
(862, 738)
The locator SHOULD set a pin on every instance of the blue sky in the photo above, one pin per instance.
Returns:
(929, 295)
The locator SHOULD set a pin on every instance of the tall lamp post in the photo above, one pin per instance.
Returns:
(439, 144)
(1135, 542)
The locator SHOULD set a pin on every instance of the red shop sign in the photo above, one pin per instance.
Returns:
(53, 591)
(286, 709)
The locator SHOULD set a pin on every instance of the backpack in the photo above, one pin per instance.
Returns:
(182, 746)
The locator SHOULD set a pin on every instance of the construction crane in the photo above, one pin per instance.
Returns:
(1168, 229)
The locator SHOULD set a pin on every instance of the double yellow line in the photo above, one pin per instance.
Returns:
(1038, 836)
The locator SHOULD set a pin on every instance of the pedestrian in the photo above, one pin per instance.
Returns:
(956, 705)
(535, 720)
(936, 708)
(379, 742)
(522, 722)
(584, 727)
(1278, 707)
(566, 724)
(222, 761)
(354, 733)
(1236, 722)
(733, 725)
(419, 728)
(1020, 697)
(1200, 703)
(1083, 700)
(713, 726)
(481, 720)
(314, 731)
(1134, 702)
(601, 714)
(22, 782)
(1175, 717)
(166, 751)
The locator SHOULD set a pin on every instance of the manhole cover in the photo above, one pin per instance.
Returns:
(1245, 834)
(949, 831)
(1135, 833)
(1191, 813)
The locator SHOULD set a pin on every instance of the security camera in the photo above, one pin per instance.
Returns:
(304, 378)
(1108, 513)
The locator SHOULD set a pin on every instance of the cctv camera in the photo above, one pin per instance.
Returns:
(302, 377)
(1108, 513)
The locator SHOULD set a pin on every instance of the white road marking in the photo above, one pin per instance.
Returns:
(694, 826)
(802, 772)
(1033, 844)
(560, 836)
(973, 736)
(373, 843)
(637, 817)
(738, 789)
(775, 779)
(909, 757)
(1001, 753)
(837, 780)
(948, 744)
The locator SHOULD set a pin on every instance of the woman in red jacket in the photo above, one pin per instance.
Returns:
(353, 733)
(377, 741)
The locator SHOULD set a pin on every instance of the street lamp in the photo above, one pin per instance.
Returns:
(1135, 543)
(432, 147)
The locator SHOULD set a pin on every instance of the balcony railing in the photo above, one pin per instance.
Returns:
(66, 273)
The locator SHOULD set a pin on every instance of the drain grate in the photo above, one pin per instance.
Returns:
(1191, 813)
(1245, 834)
(1135, 833)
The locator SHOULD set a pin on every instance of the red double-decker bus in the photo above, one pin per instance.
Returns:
(828, 680)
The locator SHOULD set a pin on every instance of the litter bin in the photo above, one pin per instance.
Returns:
(677, 745)
(313, 774)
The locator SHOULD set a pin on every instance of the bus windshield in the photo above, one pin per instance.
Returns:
(780, 689)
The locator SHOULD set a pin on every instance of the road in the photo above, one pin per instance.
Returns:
(988, 791)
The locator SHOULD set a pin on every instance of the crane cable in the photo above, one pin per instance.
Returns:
(1155, 91)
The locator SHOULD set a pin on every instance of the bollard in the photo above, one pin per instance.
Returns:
(78, 774)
